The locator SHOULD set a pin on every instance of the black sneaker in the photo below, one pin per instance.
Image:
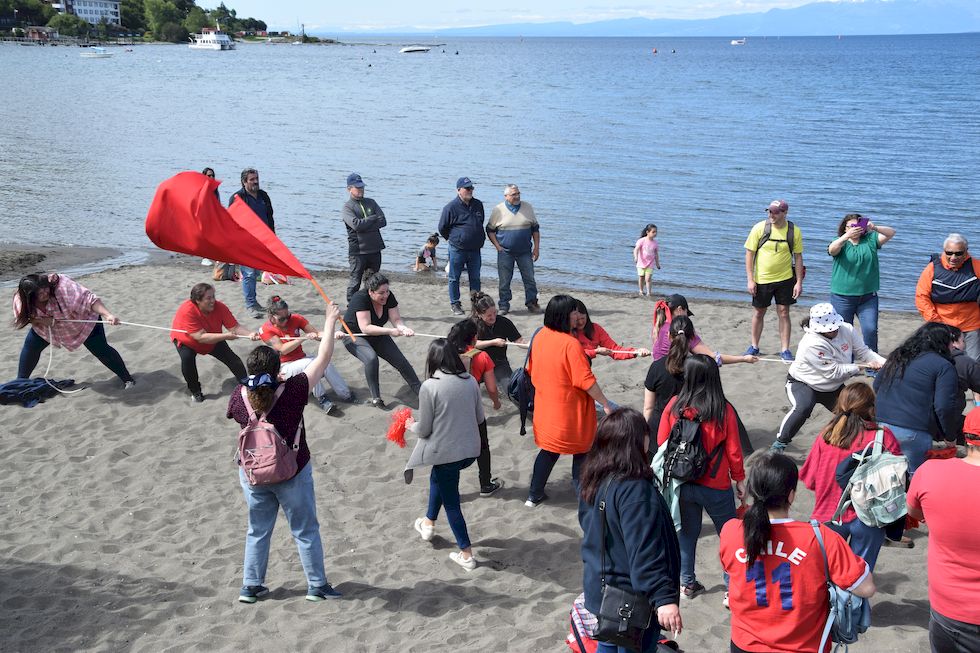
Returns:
(487, 490)
(252, 593)
(534, 503)
(376, 402)
(458, 309)
(322, 593)
(326, 405)
(692, 590)
(197, 397)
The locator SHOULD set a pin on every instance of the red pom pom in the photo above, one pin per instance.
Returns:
(396, 431)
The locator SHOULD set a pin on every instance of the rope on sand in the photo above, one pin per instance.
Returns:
(51, 360)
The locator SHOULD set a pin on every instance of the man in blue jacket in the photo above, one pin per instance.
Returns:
(461, 224)
(257, 200)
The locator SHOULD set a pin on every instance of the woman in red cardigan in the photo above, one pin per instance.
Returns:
(596, 342)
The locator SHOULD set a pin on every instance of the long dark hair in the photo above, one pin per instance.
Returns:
(443, 357)
(27, 291)
(681, 334)
(647, 229)
(262, 360)
(558, 313)
(930, 337)
(702, 390)
(618, 450)
(771, 478)
(589, 328)
(462, 335)
(853, 414)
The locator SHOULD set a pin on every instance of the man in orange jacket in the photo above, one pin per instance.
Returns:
(949, 290)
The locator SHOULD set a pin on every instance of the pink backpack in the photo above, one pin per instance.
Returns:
(262, 452)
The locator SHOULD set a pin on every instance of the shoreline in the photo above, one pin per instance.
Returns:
(17, 260)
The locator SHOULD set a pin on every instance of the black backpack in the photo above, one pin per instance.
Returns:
(790, 240)
(521, 390)
(686, 458)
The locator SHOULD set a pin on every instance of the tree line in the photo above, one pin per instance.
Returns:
(162, 20)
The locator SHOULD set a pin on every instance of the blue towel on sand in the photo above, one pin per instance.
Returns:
(30, 392)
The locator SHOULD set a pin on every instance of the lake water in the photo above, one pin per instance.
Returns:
(602, 135)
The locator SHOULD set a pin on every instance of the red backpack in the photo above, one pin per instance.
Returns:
(262, 452)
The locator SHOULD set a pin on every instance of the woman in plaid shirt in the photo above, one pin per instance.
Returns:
(46, 302)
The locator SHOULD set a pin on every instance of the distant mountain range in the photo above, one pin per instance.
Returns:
(816, 19)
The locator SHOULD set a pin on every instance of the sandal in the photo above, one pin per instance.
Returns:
(904, 543)
(424, 530)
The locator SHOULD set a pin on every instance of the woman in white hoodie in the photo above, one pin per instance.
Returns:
(823, 363)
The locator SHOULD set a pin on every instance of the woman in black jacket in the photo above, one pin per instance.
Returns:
(640, 547)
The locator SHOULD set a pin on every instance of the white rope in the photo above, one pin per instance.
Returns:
(135, 324)
(50, 360)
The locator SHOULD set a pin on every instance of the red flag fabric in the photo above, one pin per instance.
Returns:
(187, 217)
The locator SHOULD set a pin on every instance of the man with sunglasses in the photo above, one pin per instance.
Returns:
(774, 270)
(949, 290)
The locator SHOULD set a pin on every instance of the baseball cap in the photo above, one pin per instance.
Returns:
(778, 206)
(679, 301)
(824, 319)
(463, 182)
(971, 425)
(354, 179)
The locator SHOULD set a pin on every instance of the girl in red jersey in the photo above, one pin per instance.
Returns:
(779, 599)
(852, 428)
(701, 398)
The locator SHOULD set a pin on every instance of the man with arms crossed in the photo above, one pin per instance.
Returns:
(774, 269)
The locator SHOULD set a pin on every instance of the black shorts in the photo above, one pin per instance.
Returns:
(781, 290)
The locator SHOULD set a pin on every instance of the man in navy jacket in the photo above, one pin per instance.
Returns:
(461, 224)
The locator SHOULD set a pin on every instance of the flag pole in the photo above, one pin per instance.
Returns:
(327, 299)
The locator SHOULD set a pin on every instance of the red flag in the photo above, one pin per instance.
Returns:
(187, 217)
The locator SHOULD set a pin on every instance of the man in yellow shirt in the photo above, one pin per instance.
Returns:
(774, 269)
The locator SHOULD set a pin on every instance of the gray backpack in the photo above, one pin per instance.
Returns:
(876, 489)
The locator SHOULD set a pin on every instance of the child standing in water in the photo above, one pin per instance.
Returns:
(646, 254)
(426, 258)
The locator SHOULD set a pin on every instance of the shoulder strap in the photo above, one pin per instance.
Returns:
(845, 497)
(790, 231)
(527, 357)
(251, 411)
(602, 536)
(879, 442)
(826, 570)
(766, 234)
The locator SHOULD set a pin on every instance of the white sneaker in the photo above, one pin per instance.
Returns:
(469, 564)
(424, 530)
(206, 261)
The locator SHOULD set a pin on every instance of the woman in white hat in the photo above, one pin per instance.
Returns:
(823, 363)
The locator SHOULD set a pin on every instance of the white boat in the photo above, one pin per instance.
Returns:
(211, 39)
(96, 53)
(414, 48)
(738, 41)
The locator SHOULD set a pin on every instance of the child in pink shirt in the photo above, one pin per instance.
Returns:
(646, 254)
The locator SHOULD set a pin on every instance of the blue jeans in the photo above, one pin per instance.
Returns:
(914, 444)
(864, 540)
(866, 309)
(249, 275)
(505, 274)
(460, 259)
(299, 505)
(720, 505)
(444, 493)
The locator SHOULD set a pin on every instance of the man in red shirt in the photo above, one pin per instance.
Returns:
(937, 495)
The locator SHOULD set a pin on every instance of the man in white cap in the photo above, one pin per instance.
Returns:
(774, 270)
(822, 365)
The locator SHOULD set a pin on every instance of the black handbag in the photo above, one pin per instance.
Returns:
(623, 615)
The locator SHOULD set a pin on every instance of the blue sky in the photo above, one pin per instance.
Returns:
(373, 15)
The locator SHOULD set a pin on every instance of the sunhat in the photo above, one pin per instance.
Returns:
(824, 319)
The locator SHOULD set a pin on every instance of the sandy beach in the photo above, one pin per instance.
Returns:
(123, 521)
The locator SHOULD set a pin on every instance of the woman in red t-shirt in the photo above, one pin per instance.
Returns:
(596, 341)
(462, 336)
(197, 329)
(852, 428)
(701, 398)
(779, 598)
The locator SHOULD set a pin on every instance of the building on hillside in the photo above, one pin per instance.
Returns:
(91, 10)
(41, 34)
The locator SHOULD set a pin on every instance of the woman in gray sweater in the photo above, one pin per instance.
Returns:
(449, 440)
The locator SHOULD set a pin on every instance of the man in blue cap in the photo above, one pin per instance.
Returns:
(461, 224)
(363, 219)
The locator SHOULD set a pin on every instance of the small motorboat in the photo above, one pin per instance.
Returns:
(414, 48)
(738, 41)
(96, 53)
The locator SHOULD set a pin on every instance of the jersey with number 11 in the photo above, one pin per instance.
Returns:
(779, 603)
